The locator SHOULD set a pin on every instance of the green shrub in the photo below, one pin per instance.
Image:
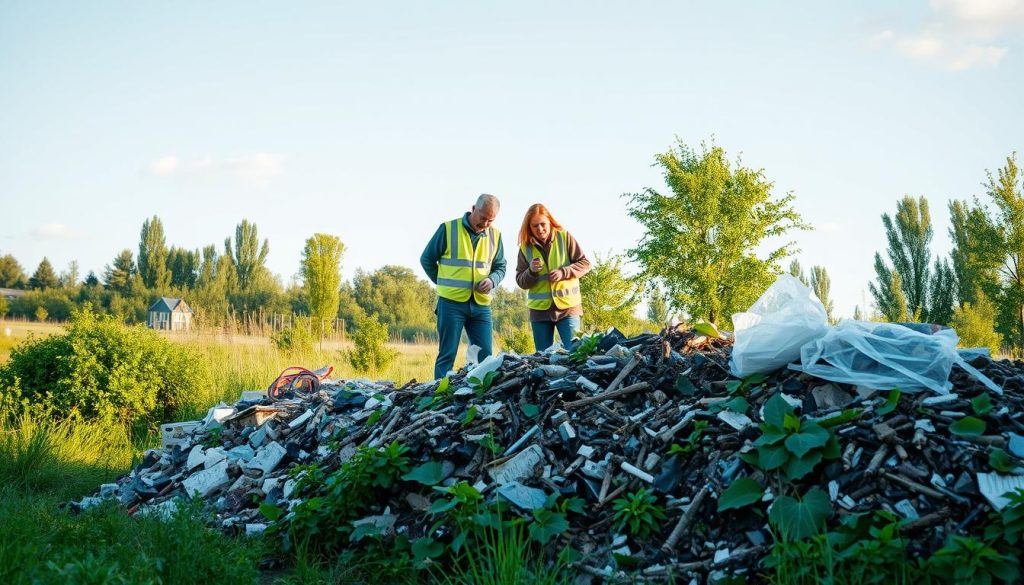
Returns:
(371, 353)
(101, 369)
(518, 339)
(298, 338)
(975, 324)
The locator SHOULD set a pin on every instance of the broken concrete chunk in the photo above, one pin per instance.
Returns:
(196, 457)
(266, 459)
(207, 481)
(519, 467)
(829, 396)
(301, 419)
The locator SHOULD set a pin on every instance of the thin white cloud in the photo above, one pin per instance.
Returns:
(959, 34)
(56, 231)
(983, 19)
(258, 166)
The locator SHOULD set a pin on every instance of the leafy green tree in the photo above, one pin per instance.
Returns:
(91, 280)
(12, 275)
(4, 306)
(610, 297)
(321, 271)
(989, 248)
(41, 314)
(118, 275)
(858, 315)
(975, 324)
(247, 254)
(184, 267)
(821, 284)
(701, 237)
(152, 262)
(909, 235)
(44, 277)
(401, 300)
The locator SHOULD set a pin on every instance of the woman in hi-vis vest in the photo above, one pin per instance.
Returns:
(550, 265)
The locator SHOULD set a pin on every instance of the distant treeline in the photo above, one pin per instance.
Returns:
(231, 289)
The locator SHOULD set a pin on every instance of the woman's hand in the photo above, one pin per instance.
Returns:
(556, 275)
(536, 265)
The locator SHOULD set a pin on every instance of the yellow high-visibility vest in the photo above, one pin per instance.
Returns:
(564, 293)
(463, 266)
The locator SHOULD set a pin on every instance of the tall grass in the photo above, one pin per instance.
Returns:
(63, 458)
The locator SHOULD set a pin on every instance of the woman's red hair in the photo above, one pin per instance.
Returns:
(536, 209)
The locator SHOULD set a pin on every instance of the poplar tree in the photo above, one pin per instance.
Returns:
(927, 291)
(321, 272)
(247, 254)
(152, 261)
(822, 287)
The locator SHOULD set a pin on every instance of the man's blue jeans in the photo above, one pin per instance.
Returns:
(544, 331)
(452, 318)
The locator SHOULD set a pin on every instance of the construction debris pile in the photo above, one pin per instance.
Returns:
(659, 413)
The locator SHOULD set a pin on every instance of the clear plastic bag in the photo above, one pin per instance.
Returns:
(882, 356)
(770, 334)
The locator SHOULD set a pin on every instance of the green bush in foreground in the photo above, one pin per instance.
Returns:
(101, 369)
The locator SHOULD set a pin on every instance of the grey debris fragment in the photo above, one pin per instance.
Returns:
(524, 497)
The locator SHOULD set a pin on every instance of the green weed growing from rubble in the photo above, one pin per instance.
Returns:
(638, 513)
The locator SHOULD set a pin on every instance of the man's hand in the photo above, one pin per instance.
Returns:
(556, 275)
(485, 285)
(536, 265)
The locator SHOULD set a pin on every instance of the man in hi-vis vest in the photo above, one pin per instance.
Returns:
(466, 260)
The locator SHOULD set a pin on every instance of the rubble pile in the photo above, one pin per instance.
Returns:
(658, 413)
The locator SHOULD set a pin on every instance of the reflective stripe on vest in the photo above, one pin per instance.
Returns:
(564, 293)
(462, 265)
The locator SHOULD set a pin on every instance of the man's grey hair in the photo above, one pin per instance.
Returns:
(487, 201)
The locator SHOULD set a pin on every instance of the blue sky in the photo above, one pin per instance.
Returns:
(377, 121)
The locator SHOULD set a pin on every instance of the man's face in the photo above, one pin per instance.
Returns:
(480, 218)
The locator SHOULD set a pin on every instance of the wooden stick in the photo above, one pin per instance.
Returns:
(633, 361)
(685, 520)
(608, 395)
